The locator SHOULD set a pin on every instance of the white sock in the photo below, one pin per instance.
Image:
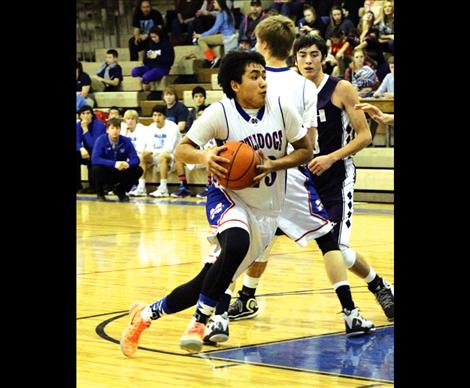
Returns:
(146, 314)
(163, 183)
(341, 283)
(250, 282)
(371, 276)
(142, 183)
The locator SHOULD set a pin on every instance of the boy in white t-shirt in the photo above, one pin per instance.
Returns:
(162, 138)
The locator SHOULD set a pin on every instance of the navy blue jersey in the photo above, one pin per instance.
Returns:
(334, 132)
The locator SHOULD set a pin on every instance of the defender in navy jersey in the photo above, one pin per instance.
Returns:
(342, 131)
(243, 221)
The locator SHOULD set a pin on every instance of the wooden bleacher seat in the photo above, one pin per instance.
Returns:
(146, 106)
(92, 67)
(212, 96)
(121, 99)
(181, 88)
(215, 83)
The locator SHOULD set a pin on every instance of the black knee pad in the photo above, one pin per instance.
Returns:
(327, 243)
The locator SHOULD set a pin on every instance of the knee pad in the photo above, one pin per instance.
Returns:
(327, 243)
(349, 255)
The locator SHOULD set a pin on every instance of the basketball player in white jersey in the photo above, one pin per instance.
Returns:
(342, 132)
(303, 217)
(244, 221)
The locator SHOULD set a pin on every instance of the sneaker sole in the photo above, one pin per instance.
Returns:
(121, 340)
(243, 316)
(191, 345)
(357, 333)
(218, 338)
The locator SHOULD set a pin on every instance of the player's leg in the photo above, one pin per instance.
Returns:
(162, 160)
(334, 265)
(234, 243)
(141, 315)
(146, 162)
(339, 204)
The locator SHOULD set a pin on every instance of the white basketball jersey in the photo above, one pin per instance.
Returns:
(270, 129)
(138, 137)
(299, 91)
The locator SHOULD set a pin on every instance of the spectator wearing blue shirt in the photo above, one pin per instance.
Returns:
(88, 130)
(224, 26)
(109, 75)
(115, 162)
(387, 87)
(159, 56)
(175, 111)
(144, 19)
(84, 95)
(250, 21)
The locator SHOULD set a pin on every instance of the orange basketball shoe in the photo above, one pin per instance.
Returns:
(130, 336)
(193, 337)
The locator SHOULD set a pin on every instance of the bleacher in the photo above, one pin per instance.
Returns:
(375, 174)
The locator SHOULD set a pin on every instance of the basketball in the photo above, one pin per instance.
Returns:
(242, 165)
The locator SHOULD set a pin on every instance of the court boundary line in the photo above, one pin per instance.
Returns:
(100, 331)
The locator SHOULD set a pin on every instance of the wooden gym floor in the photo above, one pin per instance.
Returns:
(141, 250)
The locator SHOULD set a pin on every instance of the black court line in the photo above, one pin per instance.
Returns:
(103, 314)
(100, 331)
(370, 386)
(228, 365)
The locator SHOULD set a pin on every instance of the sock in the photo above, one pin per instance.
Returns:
(142, 183)
(163, 183)
(205, 308)
(155, 310)
(249, 286)
(224, 303)
(376, 284)
(182, 179)
(344, 295)
(371, 276)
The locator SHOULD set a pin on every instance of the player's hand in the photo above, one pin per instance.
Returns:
(265, 168)
(212, 161)
(375, 113)
(320, 164)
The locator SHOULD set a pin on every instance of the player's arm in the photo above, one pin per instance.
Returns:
(210, 125)
(348, 97)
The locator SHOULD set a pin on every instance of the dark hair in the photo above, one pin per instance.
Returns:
(310, 40)
(336, 8)
(199, 89)
(84, 108)
(112, 52)
(139, 4)
(80, 68)
(114, 122)
(159, 109)
(308, 7)
(226, 9)
(233, 67)
(158, 31)
(337, 33)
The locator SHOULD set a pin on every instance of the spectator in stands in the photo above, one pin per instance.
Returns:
(164, 137)
(185, 15)
(88, 130)
(138, 134)
(144, 19)
(386, 88)
(115, 162)
(369, 42)
(386, 28)
(375, 7)
(224, 26)
(159, 56)
(339, 53)
(114, 113)
(199, 98)
(310, 23)
(244, 44)
(83, 88)
(109, 75)
(362, 77)
(205, 18)
(250, 21)
(282, 6)
(338, 22)
(175, 110)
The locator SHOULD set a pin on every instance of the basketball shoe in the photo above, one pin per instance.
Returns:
(243, 308)
(131, 335)
(217, 329)
(385, 297)
(355, 323)
(193, 337)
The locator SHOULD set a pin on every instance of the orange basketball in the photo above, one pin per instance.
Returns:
(242, 166)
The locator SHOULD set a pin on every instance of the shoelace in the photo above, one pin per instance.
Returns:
(385, 298)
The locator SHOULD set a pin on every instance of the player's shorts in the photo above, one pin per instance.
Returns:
(303, 216)
(156, 162)
(338, 201)
(224, 211)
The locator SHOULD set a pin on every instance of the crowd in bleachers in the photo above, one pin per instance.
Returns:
(359, 35)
